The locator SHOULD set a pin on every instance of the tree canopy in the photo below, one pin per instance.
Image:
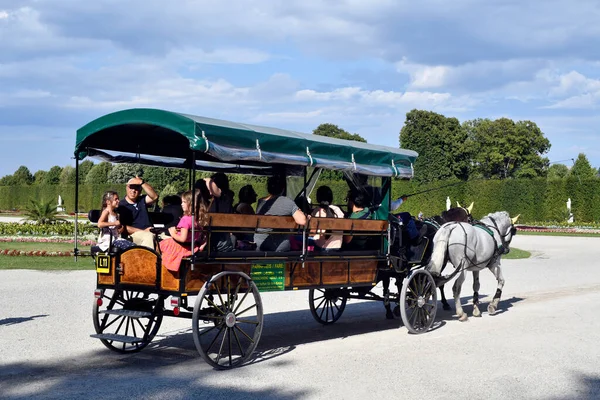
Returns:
(558, 171)
(582, 168)
(441, 143)
(335, 131)
(22, 176)
(53, 176)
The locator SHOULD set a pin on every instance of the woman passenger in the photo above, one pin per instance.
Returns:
(326, 209)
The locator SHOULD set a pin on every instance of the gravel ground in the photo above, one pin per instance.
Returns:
(543, 344)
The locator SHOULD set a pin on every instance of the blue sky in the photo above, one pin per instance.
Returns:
(296, 64)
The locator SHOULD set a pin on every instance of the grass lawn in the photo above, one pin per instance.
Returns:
(46, 263)
(516, 254)
(596, 235)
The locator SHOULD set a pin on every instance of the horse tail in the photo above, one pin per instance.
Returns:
(438, 257)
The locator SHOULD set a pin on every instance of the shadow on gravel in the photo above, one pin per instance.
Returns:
(588, 388)
(19, 320)
(151, 375)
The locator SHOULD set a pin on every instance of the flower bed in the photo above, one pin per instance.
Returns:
(557, 229)
(40, 253)
(86, 242)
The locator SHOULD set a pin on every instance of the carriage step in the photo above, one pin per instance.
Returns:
(128, 313)
(117, 338)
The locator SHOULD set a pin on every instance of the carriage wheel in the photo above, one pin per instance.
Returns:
(127, 321)
(326, 305)
(418, 301)
(227, 320)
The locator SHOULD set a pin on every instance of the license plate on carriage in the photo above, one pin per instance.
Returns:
(268, 276)
(102, 264)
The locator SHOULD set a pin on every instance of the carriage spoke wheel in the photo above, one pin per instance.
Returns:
(418, 301)
(227, 320)
(130, 314)
(326, 305)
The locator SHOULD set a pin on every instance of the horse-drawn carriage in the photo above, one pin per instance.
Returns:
(220, 291)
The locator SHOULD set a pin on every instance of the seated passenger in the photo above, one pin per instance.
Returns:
(358, 208)
(326, 209)
(221, 202)
(110, 227)
(134, 212)
(179, 245)
(172, 206)
(247, 197)
(276, 204)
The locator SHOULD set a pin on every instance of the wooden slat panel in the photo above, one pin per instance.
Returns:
(363, 271)
(335, 273)
(368, 225)
(310, 275)
(250, 221)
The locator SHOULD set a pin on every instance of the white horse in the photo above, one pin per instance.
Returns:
(473, 248)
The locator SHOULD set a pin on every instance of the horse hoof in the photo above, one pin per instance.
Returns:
(397, 311)
(491, 310)
(463, 317)
(476, 313)
(446, 307)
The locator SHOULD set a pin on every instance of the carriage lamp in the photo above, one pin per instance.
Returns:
(175, 304)
(98, 295)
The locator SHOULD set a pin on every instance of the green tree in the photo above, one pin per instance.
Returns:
(84, 169)
(582, 168)
(67, 176)
(444, 152)
(7, 180)
(558, 171)
(22, 176)
(42, 212)
(505, 149)
(121, 173)
(53, 176)
(39, 177)
(98, 175)
(331, 130)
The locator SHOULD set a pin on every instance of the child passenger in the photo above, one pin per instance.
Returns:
(179, 244)
(109, 224)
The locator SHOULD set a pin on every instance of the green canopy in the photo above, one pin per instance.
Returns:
(159, 133)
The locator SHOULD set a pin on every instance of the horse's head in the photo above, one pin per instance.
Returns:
(504, 225)
(458, 214)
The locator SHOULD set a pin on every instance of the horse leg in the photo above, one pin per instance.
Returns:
(462, 316)
(445, 304)
(386, 298)
(497, 271)
(476, 312)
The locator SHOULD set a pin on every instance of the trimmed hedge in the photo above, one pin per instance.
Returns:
(535, 199)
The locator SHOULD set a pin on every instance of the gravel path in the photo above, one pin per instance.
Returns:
(544, 344)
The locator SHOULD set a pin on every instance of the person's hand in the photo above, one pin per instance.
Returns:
(149, 229)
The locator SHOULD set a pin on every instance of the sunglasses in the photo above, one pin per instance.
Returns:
(135, 187)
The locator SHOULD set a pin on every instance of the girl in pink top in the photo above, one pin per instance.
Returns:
(176, 247)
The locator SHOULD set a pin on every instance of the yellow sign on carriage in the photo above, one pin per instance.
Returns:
(102, 264)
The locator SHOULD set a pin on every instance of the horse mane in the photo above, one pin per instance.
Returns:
(499, 216)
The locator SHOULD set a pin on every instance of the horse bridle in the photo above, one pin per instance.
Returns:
(512, 232)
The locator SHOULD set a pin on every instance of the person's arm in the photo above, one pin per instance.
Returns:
(299, 217)
(103, 221)
(151, 195)
(180, 236)
(398, 202)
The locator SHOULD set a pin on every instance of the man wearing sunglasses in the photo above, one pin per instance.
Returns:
(134, 212)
